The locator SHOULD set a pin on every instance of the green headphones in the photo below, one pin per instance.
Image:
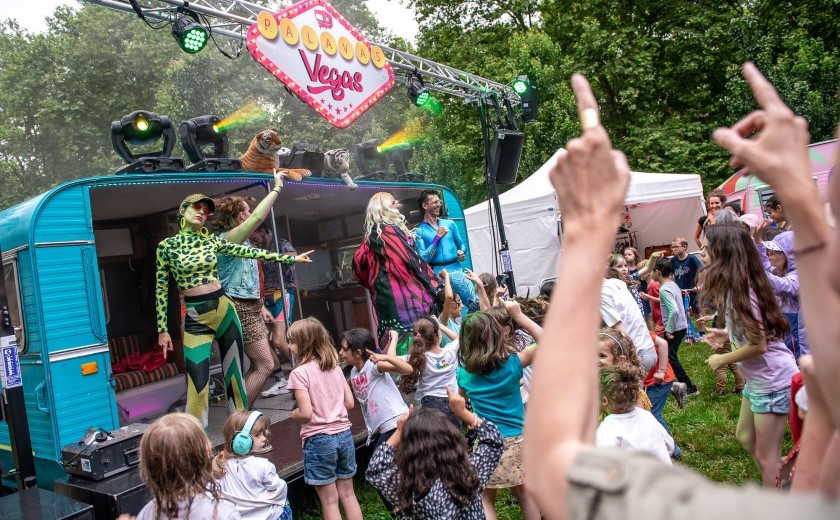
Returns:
(242, 441)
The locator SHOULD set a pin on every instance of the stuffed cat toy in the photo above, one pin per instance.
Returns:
(337, 164)
(263, 153)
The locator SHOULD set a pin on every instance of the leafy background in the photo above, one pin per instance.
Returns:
(666, 74)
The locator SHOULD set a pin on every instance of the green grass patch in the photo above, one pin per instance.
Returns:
(705, 430)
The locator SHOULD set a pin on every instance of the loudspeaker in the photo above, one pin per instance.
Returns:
(122, 493)
(506, 153)
(304, 155)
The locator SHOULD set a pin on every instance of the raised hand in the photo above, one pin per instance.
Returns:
(777, 152)
(278, 179)
(471, 276)
(512, 307)
(456, 401)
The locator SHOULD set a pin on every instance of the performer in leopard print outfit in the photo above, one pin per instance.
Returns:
(190, 256)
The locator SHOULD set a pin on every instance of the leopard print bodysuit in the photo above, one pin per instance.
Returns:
(191, 258)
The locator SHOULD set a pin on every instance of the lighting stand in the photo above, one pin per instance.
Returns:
(489, 169)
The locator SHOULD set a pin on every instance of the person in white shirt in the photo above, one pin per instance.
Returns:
(627, 426)
(433, 368)
(620, 311)
(375, 390)
(176, 464)
(251, 483)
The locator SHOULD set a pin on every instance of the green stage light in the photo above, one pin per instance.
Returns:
(521, 85)
(527, 93)
(417, 91)
(190, 35)
(422, 98)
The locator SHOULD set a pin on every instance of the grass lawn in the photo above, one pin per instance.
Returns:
(705, 430)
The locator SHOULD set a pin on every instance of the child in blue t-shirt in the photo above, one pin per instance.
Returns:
(489, 375)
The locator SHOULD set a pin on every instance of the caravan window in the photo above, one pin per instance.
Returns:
(13, 296)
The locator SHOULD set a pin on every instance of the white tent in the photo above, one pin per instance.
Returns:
(662, 207)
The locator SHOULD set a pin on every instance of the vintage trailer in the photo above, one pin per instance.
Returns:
(79, 264)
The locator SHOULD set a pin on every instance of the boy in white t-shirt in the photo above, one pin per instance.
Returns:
(627, 426)
(382, 403)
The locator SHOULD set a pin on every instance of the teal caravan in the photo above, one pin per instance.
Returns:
(80, 264)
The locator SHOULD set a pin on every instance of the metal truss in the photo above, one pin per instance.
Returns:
(231, 18)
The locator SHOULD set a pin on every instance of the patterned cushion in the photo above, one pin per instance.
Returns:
(124, 346)
(129, 380)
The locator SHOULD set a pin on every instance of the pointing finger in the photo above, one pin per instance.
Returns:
(762, 89)
(586, 104)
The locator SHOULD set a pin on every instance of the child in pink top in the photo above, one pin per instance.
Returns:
(323, 397)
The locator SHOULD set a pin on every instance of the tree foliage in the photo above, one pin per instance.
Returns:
(60, 90)
(665, 73)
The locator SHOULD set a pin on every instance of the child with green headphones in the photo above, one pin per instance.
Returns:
(251, 483)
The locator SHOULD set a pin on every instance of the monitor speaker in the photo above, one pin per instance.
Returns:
(306, 156)
(507, 150)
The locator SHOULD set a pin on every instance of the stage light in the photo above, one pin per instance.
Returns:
(190, 35)
(417, 91)
(201, 133)
(399, 156)
(371, 163)
(521, 85)
(528, 95)
(143, 128)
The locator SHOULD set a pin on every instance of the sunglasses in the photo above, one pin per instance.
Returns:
(200, 206)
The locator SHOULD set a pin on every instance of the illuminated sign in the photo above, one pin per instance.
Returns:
(317, 54)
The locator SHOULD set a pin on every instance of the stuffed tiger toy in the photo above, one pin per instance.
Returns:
(337, 164)
(263, 156)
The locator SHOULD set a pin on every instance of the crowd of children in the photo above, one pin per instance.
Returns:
(475, 386)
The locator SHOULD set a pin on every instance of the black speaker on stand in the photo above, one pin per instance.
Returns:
(507, 151)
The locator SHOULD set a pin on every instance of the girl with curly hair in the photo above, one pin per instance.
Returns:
(237, 219)
(176, 464)
(736, 281)
(426, 468)
(627, 426)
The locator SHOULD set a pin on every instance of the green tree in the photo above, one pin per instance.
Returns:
(60, 90)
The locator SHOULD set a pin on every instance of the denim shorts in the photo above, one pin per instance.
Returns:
(328, 457)
(773, 402)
